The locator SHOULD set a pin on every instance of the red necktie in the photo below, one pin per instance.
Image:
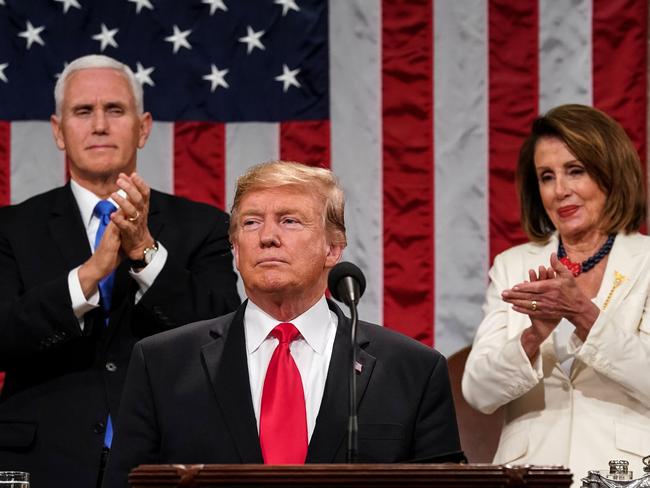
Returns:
(283, 420)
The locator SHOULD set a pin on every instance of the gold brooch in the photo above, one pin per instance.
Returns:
(618, 280)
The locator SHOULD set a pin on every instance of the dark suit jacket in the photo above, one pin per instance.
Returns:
(187, 400)
(61, 382)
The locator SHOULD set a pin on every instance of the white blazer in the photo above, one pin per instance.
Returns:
(600, 412)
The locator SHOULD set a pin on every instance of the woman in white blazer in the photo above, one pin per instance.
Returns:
(565, 342)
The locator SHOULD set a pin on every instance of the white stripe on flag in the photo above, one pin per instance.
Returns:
(565, 67)
(461, 164)
(247, 144)
(356, 154)
(156, 159)
(37, 165)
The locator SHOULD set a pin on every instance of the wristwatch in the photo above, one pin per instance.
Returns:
(149, 253)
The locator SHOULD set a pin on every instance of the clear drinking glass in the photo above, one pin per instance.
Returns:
(14, 479)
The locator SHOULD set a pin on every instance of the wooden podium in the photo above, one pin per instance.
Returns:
(349, 476)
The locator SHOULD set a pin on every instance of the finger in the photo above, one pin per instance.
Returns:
(532, 275)
(559, 268)
(126, 206)
(123, 223)
(521, 310)
(518, 297)
(536, 287)
(534, 314)
(542, 273)
(133, 194)
(526, 307)
(141, 185)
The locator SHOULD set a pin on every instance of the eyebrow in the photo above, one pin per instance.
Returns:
(91, 105)
(570, 161)
(280, 211)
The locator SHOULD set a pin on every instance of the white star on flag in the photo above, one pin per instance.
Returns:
(3, 77)
(288, 77)
(287, 5)
(2, 2)
(143, 75)
(106, 37)
(215, 5)
(67, 4)
(252, 39)
(179, 39)
(217, 77)
(32, 34)
(140, 4)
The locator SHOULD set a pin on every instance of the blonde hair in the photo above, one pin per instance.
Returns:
(312, 180)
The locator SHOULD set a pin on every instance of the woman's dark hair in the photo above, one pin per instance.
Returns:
(609, 157)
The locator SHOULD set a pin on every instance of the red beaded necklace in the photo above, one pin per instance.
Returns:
(589, 263)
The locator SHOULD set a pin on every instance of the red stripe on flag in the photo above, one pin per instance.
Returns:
(199, 161)
(407, 98)
(5, 179)
(620, 33)
(5, 163)
(513, 88)
(306, 142)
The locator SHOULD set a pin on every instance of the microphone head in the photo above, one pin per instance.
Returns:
(336, 280)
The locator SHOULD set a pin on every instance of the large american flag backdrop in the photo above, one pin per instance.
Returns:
(418, 106)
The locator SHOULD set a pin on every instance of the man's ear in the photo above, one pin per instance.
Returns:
(334, 253)
(146, 122)
(235, 252)
(57, 132)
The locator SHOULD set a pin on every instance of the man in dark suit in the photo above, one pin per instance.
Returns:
(79, 287)
(227, 390)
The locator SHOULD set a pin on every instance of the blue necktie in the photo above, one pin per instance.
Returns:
(103, 211)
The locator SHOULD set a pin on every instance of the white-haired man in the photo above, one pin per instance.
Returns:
(87, 270)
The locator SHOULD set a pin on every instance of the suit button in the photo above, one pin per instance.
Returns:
(100, 428)
(110, 367)
(566, 386)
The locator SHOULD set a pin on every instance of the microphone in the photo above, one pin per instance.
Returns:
(347, 283)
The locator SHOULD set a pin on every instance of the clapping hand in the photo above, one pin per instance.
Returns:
(132, 216)
(551, 294)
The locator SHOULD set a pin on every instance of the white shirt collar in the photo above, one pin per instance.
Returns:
(86, 201)
(311, 325)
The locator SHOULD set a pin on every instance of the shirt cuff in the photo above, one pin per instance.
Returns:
(147, 275)
(80, 305)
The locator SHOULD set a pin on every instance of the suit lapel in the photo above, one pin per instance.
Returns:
(225, 364)
(67, 229)
(622, 271)
(332, 420)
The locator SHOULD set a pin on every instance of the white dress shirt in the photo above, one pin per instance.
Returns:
(86, 201)
(311, 351)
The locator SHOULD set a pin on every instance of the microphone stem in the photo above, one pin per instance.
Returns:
(353, 427)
